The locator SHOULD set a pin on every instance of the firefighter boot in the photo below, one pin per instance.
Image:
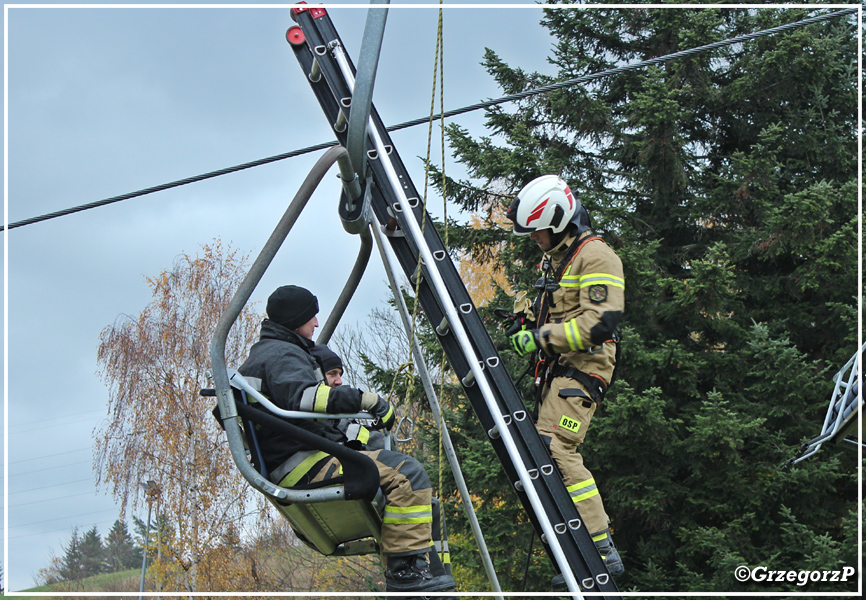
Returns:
(610, 556)
(412, 574)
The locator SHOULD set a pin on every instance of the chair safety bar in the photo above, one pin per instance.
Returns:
(237, 381)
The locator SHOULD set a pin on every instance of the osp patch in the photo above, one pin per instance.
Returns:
(597, 293)
(570, 424)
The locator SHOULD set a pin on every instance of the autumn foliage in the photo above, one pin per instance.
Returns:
(160, 429)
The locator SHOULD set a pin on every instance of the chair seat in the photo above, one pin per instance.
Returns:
(341, 527)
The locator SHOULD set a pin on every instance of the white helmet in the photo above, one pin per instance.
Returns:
(546, 202)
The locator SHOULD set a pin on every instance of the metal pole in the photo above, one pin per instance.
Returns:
(434, 407)
(144, 551)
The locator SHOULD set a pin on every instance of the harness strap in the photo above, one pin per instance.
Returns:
(569, 257)
(595, 384)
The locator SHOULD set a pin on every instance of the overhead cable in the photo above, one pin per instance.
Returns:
(457, 111)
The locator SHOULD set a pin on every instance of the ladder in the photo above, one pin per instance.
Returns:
(389, 201)
(842, 416)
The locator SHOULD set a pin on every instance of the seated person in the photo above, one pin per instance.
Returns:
(282, 366)
(332, 368)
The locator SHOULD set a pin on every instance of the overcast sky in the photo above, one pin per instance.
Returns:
(104, 101)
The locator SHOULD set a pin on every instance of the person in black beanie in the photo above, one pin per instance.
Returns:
(281, 363)
(331, 363)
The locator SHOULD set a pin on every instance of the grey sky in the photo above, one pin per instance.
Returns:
(104, 101)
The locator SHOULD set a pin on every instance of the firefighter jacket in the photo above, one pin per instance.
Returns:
(281, 367)
(585, 310)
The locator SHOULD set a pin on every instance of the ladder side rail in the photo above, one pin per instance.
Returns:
(321, 43)
(510, 399)
(399, 180)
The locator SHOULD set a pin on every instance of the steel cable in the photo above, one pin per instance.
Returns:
(446, 114)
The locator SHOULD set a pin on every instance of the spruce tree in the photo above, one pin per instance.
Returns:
(70, 569)
(120, 550)
(726, 182)
(92, 553)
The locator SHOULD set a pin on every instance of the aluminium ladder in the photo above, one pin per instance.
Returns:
(389, 200)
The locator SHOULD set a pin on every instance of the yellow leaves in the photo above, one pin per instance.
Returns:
(158, 427)
(482, 277)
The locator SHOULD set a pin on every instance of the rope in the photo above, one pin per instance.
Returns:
(444, 114)
(417, 305)
(440, 56)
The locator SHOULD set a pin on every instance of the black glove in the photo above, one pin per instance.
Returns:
(384, 413)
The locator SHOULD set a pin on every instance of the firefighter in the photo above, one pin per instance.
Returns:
(573, 327)
(332, 369)
(282, 366)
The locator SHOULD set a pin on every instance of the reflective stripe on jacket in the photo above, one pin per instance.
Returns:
(586, 308)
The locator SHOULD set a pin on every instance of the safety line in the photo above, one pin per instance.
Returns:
(451, 113)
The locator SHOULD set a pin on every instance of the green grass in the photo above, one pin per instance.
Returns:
(122, 581)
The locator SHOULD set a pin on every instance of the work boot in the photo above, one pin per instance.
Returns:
(412, 574)
(610, 556)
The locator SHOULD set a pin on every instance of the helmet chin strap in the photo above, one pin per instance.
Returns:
(556, 238)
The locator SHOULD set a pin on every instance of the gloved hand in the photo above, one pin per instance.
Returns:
(384, 413)
(525, 341)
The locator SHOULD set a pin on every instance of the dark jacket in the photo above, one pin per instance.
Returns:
(281, 366)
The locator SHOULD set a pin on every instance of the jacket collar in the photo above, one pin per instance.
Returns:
(558, 252)
(275, 331)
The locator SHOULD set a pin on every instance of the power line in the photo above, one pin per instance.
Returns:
(52, 486)
(15, 462)
(446, 114)
(95, 512)
(31, 471)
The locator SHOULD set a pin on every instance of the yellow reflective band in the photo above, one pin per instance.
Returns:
(585, 496)
(588, 485)
(570, 424)
(388, 414)
(407, 521)
(570, 281)
(410, 509)
(602, 278)
(295, 474)
(363, 435)
(422, 513)
(322, 393)
(580, 485)
(572, 335)
(445, 558)
(599, 537)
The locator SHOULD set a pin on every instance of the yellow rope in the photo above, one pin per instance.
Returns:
(440, 53)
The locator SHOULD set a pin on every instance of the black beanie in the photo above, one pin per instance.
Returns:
(292, 306)
(327, 358)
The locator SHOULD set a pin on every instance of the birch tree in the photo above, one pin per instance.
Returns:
(159, 429)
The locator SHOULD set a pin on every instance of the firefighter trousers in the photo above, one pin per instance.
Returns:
(563, 418)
